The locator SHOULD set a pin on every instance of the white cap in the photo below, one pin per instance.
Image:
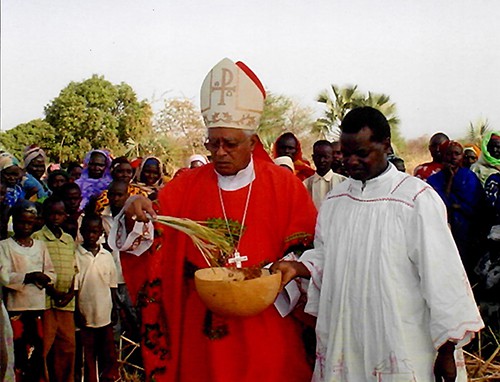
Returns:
(285, 161)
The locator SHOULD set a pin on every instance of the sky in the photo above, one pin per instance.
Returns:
(439, 61)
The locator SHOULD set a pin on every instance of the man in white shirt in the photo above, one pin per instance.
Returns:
(324, 179)
(387, 285)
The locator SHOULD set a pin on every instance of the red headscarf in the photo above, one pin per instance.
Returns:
(303, 168)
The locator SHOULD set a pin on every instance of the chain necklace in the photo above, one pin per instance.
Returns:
(237, 258)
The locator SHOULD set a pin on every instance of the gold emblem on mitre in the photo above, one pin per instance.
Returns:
(231, 96)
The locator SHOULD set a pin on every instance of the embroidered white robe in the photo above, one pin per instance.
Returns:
(388, 286)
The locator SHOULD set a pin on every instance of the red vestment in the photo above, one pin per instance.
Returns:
(183, 341)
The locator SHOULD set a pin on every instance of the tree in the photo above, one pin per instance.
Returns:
(181, 119)
(179, 125)
(348, 98)
(282, 114)
(96, 114)
(37, 132)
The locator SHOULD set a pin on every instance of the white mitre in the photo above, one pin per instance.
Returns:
(232, 96)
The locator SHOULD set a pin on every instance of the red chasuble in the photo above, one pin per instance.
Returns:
(183, 341)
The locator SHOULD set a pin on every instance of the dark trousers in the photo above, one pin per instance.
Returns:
(28, 332)
(99, 354)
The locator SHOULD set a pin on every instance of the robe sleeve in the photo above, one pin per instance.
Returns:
(12, 279)
(314, 260)
(136, 242)
(443, 282)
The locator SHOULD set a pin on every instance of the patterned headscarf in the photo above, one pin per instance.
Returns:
(93, 187)
(13, 193)
(7, 160)
(32, 152)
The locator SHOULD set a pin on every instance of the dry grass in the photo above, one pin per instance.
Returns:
(483, 366)
(129, 371)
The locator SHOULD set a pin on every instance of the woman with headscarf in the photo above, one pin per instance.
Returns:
(287, 144)
(11, 175)
(197, 160)
(149, 176)
(471, 154)
(464, 197)
(34, 165)
(489, 160)
(96, 175)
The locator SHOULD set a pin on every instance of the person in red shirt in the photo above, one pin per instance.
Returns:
(424, 170)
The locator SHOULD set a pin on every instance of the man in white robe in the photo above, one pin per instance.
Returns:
(387, 285)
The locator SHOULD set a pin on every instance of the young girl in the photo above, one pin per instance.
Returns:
(28, 270)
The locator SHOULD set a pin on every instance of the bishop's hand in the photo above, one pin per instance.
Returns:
(138, 208)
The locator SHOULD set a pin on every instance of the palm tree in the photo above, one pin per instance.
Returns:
(344, 100)
(348, 98)
(476, 131)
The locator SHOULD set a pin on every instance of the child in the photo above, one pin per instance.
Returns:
(57, 179)
(118, 193)
(58, 318)
(71, 195)
(322, 182)
(28, 270)
(96, 287)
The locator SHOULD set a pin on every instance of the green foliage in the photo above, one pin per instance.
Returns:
(282, 114)
(96, 114)
(36, 131)
(347, 98)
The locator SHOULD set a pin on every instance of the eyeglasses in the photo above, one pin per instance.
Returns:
(228, 146)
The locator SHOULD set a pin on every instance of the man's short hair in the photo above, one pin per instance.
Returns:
(49, 202)
(55, 173)
(366, 116)
(118, 183)
(90, 218)
(65, 188)
(322, 142)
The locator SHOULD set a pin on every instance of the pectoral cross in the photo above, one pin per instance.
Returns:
(238, 259)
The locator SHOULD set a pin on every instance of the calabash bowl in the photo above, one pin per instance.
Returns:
(225, 291)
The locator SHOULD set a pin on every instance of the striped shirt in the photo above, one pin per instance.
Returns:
(62, 254)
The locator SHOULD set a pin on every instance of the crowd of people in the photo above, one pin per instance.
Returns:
(388, 256)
